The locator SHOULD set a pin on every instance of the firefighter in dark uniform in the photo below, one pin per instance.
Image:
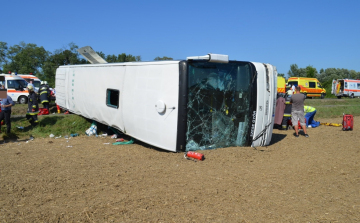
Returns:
(33, 107)
(287, 111)
(44, 94)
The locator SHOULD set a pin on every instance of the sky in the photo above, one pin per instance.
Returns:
(320, 33)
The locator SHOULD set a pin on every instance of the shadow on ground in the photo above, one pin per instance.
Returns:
(276, 137)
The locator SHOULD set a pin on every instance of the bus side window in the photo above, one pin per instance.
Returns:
(312, 84)
(319, 85)
(112, 98)
(358, 86)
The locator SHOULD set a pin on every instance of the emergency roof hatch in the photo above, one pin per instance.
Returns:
(91, 55)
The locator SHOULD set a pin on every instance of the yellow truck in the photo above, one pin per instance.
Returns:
(310, 87)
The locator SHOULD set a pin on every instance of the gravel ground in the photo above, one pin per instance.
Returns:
(84, 179)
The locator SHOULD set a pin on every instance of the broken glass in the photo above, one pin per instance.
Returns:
(219, 98)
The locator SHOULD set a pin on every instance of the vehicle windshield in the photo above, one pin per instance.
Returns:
(36, 83)
(17, 84)
(293, 83)
(219, 99)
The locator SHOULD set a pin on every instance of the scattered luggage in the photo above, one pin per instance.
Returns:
(43, 111)
(290, 123)
(348, 122)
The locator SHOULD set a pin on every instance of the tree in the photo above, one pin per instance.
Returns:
(311, 71)
(25, 58)
(330, 74)
(295, 71)
(3, 53)
(163, 58)
(119, 58)
(281, 75)
(65, 56)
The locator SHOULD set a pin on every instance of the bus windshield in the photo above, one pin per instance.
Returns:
(219, 102)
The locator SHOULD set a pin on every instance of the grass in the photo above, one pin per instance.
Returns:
(20, 109)
(56, 124)
(332, 108)
(48, 124)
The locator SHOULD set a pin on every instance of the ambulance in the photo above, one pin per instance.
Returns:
(31, 79)
(16, 87)
(346, 88)
(310, 87)
(281, 85)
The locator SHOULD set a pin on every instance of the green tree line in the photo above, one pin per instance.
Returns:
(26, 58)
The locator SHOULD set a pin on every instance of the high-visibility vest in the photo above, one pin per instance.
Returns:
(308, 109)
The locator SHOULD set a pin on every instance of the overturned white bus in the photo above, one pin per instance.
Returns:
(200, 103)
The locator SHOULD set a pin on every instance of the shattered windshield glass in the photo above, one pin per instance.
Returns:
(219, 98)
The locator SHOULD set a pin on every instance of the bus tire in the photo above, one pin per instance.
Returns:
(352, 96)
(322, 96)
(22, 100)
(339, 97)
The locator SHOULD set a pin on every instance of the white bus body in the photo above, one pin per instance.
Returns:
(178, 105)
(346, 88)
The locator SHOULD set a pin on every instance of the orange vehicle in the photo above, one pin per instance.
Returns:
(310, 87)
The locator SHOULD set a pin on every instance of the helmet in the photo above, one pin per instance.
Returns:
(30, 87)
(42, 82)
(45, 82)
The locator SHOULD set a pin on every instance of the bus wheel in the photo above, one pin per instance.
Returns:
(23, 100)
(322, 96)
(339, 97)
(352, 96)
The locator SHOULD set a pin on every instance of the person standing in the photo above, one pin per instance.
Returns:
(293, 88)
(6, 104)
(33, 107)
(44, 95)
(297, 111)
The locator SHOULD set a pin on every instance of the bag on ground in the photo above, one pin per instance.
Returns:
(92, 130)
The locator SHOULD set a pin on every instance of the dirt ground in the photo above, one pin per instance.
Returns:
(315, 179)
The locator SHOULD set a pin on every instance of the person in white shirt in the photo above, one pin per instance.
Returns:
(293, 88)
